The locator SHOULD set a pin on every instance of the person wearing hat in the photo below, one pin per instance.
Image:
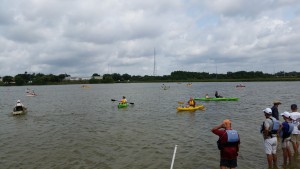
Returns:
(295, 138)
(19, 106)
(228, 144)
(269, 130)
(285, 133)
(274, 109)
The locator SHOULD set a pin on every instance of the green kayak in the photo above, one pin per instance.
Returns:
(122, 105)
(218, 99)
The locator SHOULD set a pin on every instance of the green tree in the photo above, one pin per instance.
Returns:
(7, 79)
(19, 80)
(126, 77)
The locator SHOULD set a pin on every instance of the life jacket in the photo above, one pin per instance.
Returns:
(191, 102)
(232, 139)
(287, 132)
(275, 126)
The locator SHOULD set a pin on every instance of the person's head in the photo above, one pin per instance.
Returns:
(267, 112)
(286, 115)
(276, 103)
(18, 101)
(124, 97)
(227, 124)
(294, 107)
(191, 98)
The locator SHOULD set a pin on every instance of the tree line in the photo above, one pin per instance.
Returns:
(176, 76)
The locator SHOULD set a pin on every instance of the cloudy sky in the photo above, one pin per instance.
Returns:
(82, 37)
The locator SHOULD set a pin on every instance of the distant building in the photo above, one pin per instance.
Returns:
(76, 78)
(98, 77)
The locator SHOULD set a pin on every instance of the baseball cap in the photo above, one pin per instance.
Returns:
(267, 110)
(227, 122)
(285, 114)
(294, 106)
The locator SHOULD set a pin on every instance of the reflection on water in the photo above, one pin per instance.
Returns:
(71, 127)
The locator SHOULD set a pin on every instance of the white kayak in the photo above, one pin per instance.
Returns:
(31, 95)
(20, 112)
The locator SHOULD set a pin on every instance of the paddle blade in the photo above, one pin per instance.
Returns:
(113, 100)
(131, 103)
(180, 102)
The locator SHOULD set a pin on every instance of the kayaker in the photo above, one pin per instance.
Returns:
(217, 95)
(191, 102)
(228, 144)
(123, 100)
(19, 106)
(206, 96)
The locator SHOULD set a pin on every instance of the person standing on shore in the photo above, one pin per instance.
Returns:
(228, 144)
(285, 133)
(295, 138)
(274, 109)
(269, 130)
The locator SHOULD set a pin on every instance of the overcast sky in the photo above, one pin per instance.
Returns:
(82, 37)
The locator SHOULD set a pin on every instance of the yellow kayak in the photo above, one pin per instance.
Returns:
(190, 108)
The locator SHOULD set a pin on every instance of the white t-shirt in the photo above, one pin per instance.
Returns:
(19, 104)
(295, 116)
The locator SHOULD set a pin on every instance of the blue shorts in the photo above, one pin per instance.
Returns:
(228, 163)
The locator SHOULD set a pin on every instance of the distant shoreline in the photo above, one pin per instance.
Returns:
(167, 81)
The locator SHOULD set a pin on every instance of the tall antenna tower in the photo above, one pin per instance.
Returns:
(154, 64)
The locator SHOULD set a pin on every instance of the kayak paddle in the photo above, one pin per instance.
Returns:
(119, 101)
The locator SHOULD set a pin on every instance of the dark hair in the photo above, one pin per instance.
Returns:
(294, 106)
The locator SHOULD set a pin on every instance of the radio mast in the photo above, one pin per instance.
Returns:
(154, 64)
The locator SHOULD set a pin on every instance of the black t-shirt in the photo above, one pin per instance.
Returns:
(275, 112)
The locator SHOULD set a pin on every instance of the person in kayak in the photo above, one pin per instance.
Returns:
(191, 102)
(123, 100)
(19, 106)
(206, 96)
(217, 95)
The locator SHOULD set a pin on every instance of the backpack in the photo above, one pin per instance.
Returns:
(287, 132)
(232, 139)
(275, 126)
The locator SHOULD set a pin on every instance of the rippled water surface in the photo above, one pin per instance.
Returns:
(72, 127)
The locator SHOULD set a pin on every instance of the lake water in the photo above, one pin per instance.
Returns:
(71, 127)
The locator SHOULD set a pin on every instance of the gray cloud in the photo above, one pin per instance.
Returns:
(85, 37)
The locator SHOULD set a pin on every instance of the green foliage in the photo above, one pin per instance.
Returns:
(19, 80)
(7, 79)
(176, 76)
(95, 74)
(94, 81)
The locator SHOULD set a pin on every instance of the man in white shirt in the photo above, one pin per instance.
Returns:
(19, 106)
(295, 138)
